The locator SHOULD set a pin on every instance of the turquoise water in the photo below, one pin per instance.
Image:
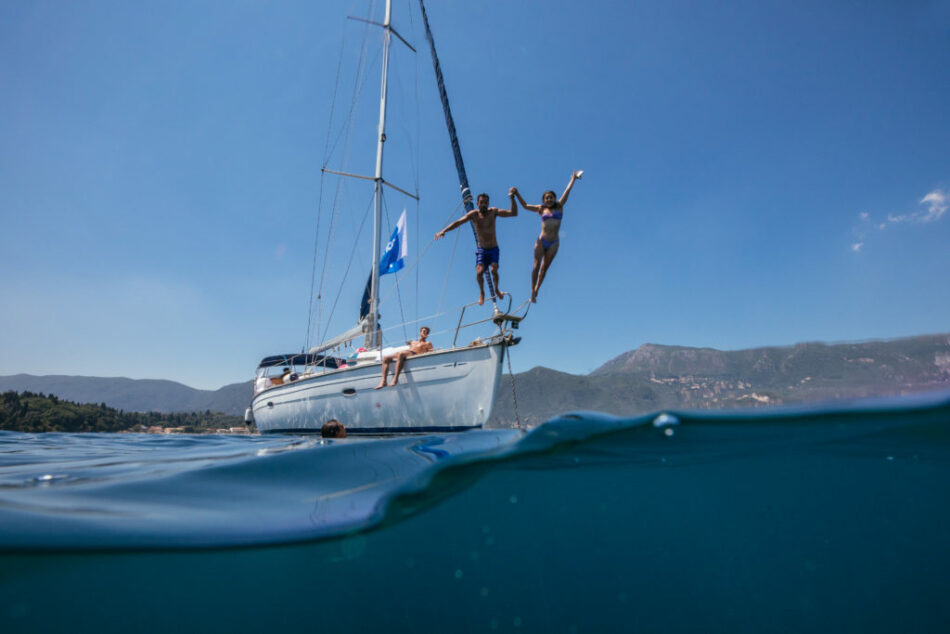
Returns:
(817, 519)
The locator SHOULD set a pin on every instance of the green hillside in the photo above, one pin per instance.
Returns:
(29, 412)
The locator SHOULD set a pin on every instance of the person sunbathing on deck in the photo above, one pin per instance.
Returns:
(415, 347)
(486, 253)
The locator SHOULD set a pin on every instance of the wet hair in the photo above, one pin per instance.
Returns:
(479, 197)
(333, 429)
(556, 205)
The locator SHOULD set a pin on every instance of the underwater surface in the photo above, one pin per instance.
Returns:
(821, 518)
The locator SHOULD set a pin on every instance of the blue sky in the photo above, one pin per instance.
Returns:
(756, 173)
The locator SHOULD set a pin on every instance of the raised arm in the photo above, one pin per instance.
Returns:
(534, 208)
(575, 176)
(514, 206)
(455, 224)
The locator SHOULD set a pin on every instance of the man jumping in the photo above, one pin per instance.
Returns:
(486, 253)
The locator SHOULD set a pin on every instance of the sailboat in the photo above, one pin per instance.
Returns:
(446, 389)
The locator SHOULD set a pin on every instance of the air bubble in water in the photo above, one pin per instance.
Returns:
(665, 419)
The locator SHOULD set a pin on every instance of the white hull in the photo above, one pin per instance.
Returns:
(447, 390)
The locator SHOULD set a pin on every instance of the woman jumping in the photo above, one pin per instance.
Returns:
(545, 248)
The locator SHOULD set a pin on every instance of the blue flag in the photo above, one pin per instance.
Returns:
(394, 257)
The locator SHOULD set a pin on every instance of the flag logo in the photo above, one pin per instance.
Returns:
(394, 257)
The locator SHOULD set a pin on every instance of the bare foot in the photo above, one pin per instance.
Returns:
(481, 300)
(393, 383)
(534, 296)
(381, 385)
(500, 293)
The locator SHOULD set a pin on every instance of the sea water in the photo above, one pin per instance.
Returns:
(824, 519)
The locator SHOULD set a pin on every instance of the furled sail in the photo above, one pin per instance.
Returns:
(453, 137)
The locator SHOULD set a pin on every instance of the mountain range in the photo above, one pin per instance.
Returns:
(655, 377)
(650, 378)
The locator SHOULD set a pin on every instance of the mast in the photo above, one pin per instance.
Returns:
(372, 338)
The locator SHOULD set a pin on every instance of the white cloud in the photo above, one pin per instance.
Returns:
(936, 202)
(893, 219)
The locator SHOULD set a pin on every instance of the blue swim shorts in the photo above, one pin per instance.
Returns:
(486, 257)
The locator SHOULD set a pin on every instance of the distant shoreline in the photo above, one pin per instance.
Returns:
(651, 378)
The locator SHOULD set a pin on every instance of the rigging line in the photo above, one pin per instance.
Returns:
(346, 272)
(382, 302)
(322, 337)
(413, 140)
(328, 251)
(427, 318)
(334, 225)
(416, 321)
(448, 270)
(338, 194)
(362, 76)
(402, 313)
(316, 238)
(443, 313)
(411, 134)
(418, 148)
(336, 90)
(417, 269)
(359, 82)
(347, 129)
(514, 395)
(432, 333)
(313, 268)
(398, 97)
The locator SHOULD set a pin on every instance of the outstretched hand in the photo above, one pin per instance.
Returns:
(512, 192)
(440, 235)
(577, 174)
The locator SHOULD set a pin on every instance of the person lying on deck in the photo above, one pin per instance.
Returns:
(415, 347)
